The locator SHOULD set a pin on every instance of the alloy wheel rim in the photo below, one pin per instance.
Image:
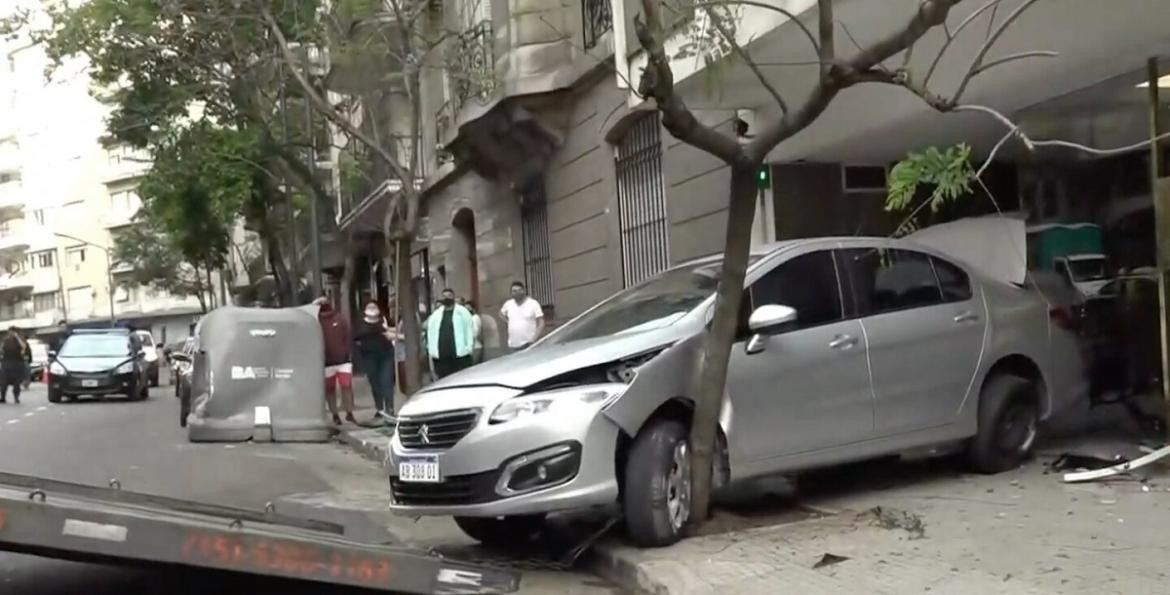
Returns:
(678, 486)
(1018, 430)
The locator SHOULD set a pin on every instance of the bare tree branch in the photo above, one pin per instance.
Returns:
(729, 37)
(951, 35)
(658, 82)
(323, 106)
(1014, 57)
(791, 16)
(826, 26)
(977, 63)
(861, 68)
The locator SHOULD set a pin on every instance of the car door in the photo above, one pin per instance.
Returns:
(925, 326)
(808, 388)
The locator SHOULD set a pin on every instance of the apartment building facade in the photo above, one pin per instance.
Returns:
(63, 197)
(543, 166)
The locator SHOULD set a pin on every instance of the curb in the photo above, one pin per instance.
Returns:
(370, 443)
(620, 565)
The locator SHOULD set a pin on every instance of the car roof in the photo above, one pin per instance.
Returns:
(101, 331)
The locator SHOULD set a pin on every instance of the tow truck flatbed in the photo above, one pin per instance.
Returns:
(86, 523)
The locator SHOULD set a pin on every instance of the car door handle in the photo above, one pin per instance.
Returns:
(966, 317)
(843, 342)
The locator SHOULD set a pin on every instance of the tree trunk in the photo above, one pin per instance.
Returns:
(408, 307)
(286, 290)
(199, 295)
(210, 288)
(720, 336)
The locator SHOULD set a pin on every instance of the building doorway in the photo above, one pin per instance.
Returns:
(463, 263)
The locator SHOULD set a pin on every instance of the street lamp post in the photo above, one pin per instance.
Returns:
(109, 271)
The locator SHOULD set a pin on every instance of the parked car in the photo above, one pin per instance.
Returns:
(40, 359)
(847, 349)
(150, 354)
(98, 362)
(182, 365)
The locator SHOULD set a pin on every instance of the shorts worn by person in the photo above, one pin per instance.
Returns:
(524, 316)
(335, 332)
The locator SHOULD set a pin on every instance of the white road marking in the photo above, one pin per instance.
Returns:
(30, 414)
(42, 408)
(13, 421)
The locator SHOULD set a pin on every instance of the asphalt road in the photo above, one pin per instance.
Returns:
(141, 444)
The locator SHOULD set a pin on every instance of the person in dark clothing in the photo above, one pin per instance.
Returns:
(450, 336)
(14, 357)
(375, 346)
(338, 360)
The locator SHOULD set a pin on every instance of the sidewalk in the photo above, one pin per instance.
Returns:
(369, 441)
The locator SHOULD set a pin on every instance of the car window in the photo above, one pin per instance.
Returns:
(887, 280)
(807, 283)
(952, 280)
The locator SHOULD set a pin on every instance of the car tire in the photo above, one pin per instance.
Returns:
(657, 497)
(54, 395)
(1009, 418)
(501, 531)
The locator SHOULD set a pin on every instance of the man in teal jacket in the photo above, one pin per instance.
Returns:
(450, 336)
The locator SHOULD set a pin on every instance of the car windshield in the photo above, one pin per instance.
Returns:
(655, 303)
(95, 346)
(1089, 269)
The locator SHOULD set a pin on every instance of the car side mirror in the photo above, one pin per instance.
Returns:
(766, 321)
(52, 355)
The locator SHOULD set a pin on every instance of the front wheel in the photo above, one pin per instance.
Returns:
(501, 531)
(1008, 422)
(54, 394)
(657, 498)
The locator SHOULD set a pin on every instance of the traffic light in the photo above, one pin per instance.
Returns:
(764, 177)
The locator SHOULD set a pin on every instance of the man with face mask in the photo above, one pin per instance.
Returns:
(338, 359)
(450, 336)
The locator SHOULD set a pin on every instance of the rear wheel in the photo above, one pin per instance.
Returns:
(502, 531)
(657, 498)
(1008, 421)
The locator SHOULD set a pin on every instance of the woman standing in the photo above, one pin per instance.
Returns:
(375, 345)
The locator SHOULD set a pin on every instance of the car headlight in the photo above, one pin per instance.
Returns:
(526, 405)
(57, 369)
(125, 368)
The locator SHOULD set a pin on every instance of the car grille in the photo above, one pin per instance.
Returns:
(439, 430)
(76, 379)
(452, 491)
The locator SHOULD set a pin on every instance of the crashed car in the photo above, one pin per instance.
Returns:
(847, 349)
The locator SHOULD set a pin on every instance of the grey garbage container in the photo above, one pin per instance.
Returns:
(258, 375)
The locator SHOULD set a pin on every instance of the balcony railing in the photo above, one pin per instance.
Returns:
(596, 20)
(471, 65)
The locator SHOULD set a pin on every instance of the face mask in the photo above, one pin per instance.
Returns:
(448, 301)
(371, 313)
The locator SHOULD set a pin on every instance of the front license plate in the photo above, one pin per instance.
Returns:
(419, 469)
(89, 383)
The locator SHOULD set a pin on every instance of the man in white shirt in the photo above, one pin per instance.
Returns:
(524, 316)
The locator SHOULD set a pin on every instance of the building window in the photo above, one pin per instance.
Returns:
(39, 216)
(124, 202)
(75, 256)
(46, 302)
(41, 260)
(596, 20)
(537, 256)
(642, 202)
(5, 228)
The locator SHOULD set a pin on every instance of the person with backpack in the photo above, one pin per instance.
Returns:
(14, 358)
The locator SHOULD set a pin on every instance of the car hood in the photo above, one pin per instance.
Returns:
(91, 364)
(543, 361)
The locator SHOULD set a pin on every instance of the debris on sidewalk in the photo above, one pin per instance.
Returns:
(892, 518)
(1123, 467)
(829, 560)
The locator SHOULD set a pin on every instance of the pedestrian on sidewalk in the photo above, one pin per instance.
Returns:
(338, 359)
(476, 331)
(524, 316)
(14, 354)
(450, 336)
(375, 345)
